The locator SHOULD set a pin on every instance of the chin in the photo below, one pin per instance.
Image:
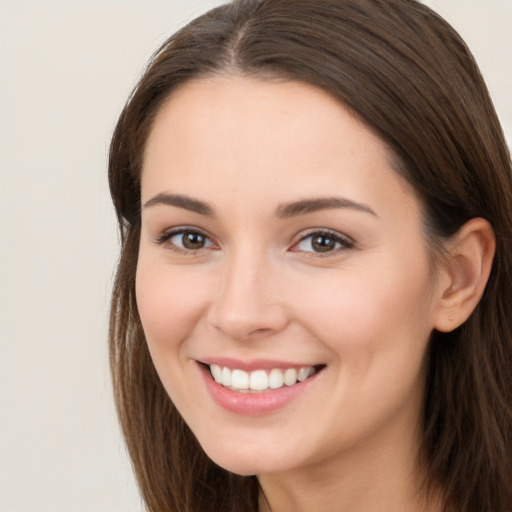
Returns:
(245, 464)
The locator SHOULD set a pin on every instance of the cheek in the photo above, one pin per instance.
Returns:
(373, 307)
(169, 305)
(376, 324)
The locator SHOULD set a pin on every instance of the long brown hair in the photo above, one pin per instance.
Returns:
(408, 75)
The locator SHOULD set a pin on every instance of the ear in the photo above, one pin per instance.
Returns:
(464, 273)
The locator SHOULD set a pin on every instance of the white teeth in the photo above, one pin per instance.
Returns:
(275, 379)
(226, 377)
(239, 379)
(216, 373)
(259, 380)
(304, 373)
(290, 376)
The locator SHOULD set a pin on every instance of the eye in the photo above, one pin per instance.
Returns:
(186, 240)
(323, 242)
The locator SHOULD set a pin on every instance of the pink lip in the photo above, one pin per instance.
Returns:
(253, 404)
(256, 364)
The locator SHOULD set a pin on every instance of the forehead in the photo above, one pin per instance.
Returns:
(246, 134)
(249, 104)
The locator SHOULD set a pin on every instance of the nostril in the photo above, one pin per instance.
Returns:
(250, 323)
(260, 331)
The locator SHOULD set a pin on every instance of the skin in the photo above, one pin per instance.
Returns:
(258, 290)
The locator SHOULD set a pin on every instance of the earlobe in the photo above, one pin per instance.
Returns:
(465, 273)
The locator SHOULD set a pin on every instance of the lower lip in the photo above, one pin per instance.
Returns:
(254, 404)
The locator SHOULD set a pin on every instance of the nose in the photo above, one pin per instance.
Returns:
(249, 303)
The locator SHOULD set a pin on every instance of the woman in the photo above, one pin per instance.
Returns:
(312, 307)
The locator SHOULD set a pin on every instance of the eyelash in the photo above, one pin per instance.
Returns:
(167, 235)
(343, 241)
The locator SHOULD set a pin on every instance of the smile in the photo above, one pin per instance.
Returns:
(260, 380)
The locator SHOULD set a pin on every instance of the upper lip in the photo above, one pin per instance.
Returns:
(255, 364)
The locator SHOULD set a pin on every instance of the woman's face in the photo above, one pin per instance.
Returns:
(278, 244)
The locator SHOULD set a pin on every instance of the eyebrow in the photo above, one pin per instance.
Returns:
(185, 202)
(313, 205)
(283, 211)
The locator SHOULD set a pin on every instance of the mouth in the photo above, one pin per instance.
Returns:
(261, 380)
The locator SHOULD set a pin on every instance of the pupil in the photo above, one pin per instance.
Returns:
(323, 244)
(193, 241)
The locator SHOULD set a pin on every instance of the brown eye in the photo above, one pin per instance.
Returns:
(192, 240)
(323, 243)
(186, 240)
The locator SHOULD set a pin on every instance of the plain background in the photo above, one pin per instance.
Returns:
(66, 68)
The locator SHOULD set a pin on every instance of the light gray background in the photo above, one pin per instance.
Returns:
(66, 68)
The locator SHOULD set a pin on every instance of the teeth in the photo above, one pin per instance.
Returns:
(290, 376)
(226, 377)
(239, 379)
(275, 379)
(259, 380)
(216, 373)
(304, 373)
